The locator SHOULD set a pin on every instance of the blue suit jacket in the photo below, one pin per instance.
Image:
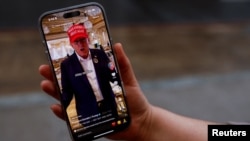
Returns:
(74, 82)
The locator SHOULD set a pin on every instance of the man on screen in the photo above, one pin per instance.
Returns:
(86, 75)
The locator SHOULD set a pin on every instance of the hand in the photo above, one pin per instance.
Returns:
(139, 108)
(148, 122)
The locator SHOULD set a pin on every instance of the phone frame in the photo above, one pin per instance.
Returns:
(103, 130)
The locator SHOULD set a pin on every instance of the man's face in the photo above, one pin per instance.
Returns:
(81, 47)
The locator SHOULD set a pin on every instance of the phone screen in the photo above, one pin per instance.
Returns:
(80, 52)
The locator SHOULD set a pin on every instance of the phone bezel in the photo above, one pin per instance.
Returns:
(117, 128)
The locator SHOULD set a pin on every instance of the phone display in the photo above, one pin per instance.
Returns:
(80, 52)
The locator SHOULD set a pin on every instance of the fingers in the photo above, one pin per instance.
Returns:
(45, 71)
(135, 96)
(48, 85)
(57, 110)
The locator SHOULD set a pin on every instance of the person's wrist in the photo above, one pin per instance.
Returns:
(154, 128)
(144, 126)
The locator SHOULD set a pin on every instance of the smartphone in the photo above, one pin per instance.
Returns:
(79, 48)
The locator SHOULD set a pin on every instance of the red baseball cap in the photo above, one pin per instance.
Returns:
(76, 32)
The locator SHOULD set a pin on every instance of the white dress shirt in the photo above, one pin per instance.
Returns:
(89, 69)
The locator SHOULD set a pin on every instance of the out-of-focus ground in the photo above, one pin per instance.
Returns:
(199, 70)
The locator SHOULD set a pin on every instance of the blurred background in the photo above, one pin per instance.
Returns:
(190, 57)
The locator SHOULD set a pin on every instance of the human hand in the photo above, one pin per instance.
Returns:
(139, 108)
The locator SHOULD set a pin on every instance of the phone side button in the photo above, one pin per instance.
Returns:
(44, 42)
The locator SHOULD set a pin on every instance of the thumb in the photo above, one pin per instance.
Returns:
(125, 67)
